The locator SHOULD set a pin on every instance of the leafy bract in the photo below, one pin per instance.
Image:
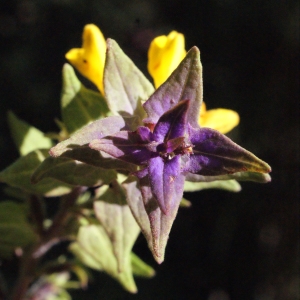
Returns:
(93, 247)
(26, 137)
(15, 230)
(185, 83)
(155, 225)
(79, 105)
(19, 174)
(95, 130)
(72, 172)
(112, 211)
(215, 154)
(125, 86)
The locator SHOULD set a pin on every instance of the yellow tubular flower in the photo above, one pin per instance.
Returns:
(89, 60)
(220, 119)
(164, 55)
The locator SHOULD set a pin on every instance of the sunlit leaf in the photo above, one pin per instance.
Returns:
(125, 86)
(94, 249)
(79, 105)
(228, 185)
(113, 212)
(19, 174)
(26, 137)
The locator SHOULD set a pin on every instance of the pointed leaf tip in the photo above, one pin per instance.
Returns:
(125, 85)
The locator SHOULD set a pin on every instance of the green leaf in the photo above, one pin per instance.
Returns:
(125, 85)
(79, 105)
(228, 185)
(15, 230)
(19, 173)
(185, 203)
(112, 211)
(240, 176)
(140, 268)
(26, 137)
(72, 172)
(84, 136)
(94, 249)
(185, 83)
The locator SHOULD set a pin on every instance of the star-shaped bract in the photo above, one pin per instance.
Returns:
(173, 150)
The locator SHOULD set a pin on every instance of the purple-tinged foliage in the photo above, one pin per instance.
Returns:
(175, 149)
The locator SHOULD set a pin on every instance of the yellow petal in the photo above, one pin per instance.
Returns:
(219, 119)
(164, 55)
(89, 60)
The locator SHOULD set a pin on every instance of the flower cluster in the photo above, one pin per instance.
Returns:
(164, 137)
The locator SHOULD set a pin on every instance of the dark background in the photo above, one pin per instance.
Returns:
(226, 246)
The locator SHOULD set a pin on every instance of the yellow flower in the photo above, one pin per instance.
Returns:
(164, 55)
(89, 60)
(220, 119)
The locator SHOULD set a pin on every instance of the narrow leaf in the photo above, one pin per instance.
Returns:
(228, 185)
(98, 159)
(72, 172)
(185, 83)
(26, 137)
(125, 86)
(79, 105)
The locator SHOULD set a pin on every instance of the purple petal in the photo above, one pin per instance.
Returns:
(215, 154)
(166, 181)
(124, 145)
(172, 124)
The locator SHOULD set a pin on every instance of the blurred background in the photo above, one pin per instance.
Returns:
(226, 246)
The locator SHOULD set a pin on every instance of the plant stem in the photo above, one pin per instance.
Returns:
(32, 255)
